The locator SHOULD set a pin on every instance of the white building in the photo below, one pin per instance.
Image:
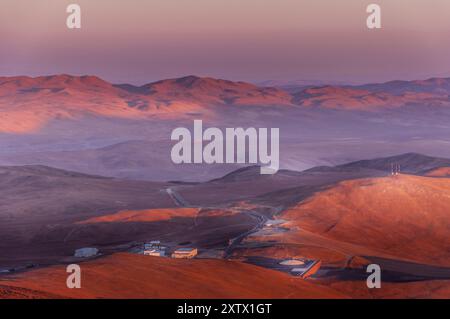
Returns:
(185, 253)
(292, 262)
(155, 252)
(274, 222)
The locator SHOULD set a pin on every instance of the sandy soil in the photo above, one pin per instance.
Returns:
(148, 215)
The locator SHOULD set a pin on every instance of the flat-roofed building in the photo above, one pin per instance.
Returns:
(185, 253)
(155, 252)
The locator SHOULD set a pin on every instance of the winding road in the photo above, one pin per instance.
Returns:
(177, 198)
(234, 242)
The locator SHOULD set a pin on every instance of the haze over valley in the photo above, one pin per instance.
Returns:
(88, 125)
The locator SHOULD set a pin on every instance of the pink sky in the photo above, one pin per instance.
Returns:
(139, 41)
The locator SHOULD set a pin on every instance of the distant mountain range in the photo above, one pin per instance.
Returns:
(410, 163)
(86, 124)
(27, 103)
(294, 86)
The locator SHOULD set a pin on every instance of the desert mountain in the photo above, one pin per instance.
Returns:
(280, 189)
(251, 173)
(431, 92)
(28, 103)
(209, 91)
(432, 85)
(295, 86)
(135, 160)
(402, 216)
(411, 163)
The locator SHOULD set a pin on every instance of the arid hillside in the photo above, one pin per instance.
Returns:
(403, 216)
(29, 104)
(137, 276)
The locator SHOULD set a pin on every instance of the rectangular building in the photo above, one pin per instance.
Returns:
(185, 253)
(154, 252)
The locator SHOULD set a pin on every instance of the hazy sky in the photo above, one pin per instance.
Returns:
(139, 41)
